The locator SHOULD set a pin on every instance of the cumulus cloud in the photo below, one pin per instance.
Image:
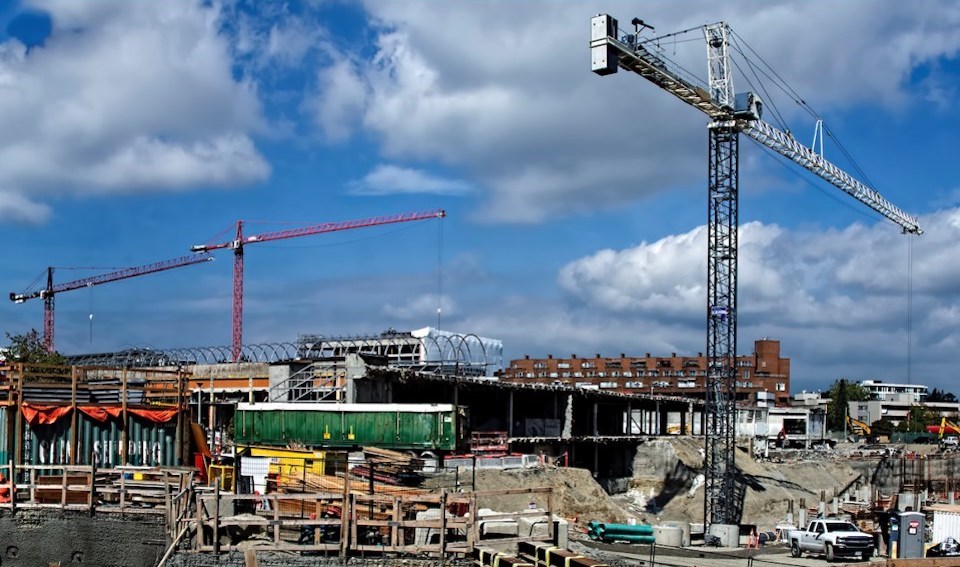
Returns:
(507, 95)
(19, 209)
(388, 179)
(125, 97)
(836, 295)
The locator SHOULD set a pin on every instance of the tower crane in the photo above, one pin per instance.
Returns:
(51, 290)
(241, 240)
(729, 114)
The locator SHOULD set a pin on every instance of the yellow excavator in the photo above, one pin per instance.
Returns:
(858, 427)
(947, 426)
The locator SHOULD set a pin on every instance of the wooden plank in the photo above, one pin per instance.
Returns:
(216, 517)
(276, 519)
(124, 419)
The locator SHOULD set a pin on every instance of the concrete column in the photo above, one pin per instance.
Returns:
(628, 423)
(510, 414)
(567, 431)
(657, 430)
(595, 428)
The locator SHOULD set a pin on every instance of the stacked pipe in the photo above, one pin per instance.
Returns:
(602, 531)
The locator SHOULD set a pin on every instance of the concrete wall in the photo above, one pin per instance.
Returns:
(49, 537)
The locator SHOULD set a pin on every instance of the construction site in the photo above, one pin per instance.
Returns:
(409, 446)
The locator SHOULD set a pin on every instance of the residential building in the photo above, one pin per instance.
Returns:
(762, 371)
(883, 391)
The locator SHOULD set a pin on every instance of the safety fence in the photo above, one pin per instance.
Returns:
(121, 490)
(438, 522)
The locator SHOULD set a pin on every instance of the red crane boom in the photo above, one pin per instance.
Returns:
(50, 291)
(241, 240)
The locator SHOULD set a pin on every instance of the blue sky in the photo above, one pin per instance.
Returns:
(576, 202)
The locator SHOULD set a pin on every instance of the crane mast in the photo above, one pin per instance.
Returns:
(241, 240)
(51, 290)
(730, 114)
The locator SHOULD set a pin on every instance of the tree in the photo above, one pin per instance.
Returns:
(881, 427)
(28, 348)
(840, 393)
(918, 418)
(941, 396)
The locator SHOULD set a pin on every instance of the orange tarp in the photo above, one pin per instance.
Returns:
(154, 415)
(43, 415)
(101, 413)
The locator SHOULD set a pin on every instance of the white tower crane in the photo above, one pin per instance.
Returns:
(730, 114)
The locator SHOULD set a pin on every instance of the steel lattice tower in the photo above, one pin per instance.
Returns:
(721, 506)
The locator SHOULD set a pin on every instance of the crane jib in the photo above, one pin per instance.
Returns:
(610, 53)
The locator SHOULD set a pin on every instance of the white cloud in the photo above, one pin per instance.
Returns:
(19, 209)
(507, 95)
(388, 179)
(837, 299)
(422, 308)
(126, 97)
(339, 102)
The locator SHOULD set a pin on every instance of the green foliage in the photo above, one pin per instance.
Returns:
(840, 393)
(918, 419)
(881, 427)
(941, 396)
(28, 348)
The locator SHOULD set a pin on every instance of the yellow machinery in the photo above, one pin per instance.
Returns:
(947, 426)
(222, 475)
(858, 427)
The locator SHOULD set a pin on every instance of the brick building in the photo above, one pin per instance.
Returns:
(762, 371)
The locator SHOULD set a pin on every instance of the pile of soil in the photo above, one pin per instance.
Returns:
(576, 495)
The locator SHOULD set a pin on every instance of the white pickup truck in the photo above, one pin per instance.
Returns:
(832, 538)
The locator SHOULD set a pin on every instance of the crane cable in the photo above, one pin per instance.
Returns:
(439, 270)
(909, 308)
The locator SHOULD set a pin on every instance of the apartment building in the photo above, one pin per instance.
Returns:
(762, 371)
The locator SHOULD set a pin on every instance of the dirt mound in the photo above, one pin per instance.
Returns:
(576, 495)
(667, 483)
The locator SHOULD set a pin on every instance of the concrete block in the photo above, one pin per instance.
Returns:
(538, 527)
(422, 536)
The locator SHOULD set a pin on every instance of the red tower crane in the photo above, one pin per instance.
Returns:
(241, 240)
(50, 291)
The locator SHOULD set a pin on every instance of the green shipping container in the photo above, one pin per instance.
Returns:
(6, 435)
(391, 426)
(148, 443)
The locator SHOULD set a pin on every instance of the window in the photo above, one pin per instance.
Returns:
(588, 365)
(563, 365)
(540, 365)
(781, 387)
(627, 374)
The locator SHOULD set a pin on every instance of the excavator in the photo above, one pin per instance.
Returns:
(952, 430)
(858, 427)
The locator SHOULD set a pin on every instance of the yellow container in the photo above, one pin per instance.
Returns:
(292, 462)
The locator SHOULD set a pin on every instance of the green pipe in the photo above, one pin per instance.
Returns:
(630, 538)
(625, 529)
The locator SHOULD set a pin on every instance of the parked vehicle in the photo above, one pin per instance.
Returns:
(946, 548)
(832, 538)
